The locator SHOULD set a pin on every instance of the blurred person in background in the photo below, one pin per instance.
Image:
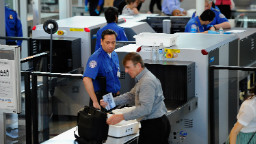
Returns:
(244, 129)
(13, 26)
(225, 7)
(95, 7)
(131, 7)
(220, 21)
(168, 6)
(152, 3)
(111, 15)
(140, 4)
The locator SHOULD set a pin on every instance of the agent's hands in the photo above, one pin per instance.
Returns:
(103, 103)
(212, 28)
(86, 8)
(96, 105)
(97, 10)
(114, 119)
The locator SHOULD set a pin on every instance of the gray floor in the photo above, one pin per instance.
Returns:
(16, 129)
(16, 124)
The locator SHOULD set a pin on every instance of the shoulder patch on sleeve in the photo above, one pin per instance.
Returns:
(221, 15)
(92, 64)
(215, 9)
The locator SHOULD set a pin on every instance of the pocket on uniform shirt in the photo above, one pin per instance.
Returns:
(108, 70)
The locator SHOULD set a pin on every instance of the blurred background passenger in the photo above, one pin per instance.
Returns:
(119, 4)
(13, 26)
(225, 7)
(244, 129)
(140, 4)
(168, 6)
(152, 3)
(130, 8)
(95, 7)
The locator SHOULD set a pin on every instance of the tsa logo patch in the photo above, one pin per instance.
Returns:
(92, 64)
(10, 17)
(221, 16)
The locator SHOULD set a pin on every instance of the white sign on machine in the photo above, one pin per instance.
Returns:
(9, 84)
(9, 79)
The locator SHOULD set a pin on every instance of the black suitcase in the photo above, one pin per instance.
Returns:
(92, 126)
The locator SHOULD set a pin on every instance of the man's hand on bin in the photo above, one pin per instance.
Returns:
(114, 119)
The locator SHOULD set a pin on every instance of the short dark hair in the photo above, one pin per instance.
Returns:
(111, 14)
(207, 15)
(130, 1)
(108, 32)
(135, 58)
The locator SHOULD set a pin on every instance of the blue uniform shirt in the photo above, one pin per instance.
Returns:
(219, 18)
(12, 25)
(169, 5)
(119, 31)
(194, 25)
(100, 64)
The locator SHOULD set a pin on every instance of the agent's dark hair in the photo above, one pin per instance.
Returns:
(111, 14)
(135, 58)
(130, 1)
(207, 15)
(108, 32)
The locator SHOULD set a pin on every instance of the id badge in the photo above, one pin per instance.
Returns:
(118, 73)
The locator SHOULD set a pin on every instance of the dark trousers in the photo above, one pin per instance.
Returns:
(11, 43)
(139, 6)
(225, 9)
(92, 6)
(120, 5)
(152, 3)
(155, 131)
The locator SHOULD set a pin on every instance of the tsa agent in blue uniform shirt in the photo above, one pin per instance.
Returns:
(111, 15)
(13, 26)
(196, 24)
(103, 62)
(219, 21)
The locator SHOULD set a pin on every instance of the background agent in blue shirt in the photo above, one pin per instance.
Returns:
(196, 24)
(219, 21)
(13, 26)
(102, 63)
(111, 15)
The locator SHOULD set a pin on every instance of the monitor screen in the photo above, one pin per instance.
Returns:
(178, 23)
(156, 22)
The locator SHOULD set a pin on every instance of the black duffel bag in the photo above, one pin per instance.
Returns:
(92, 126)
